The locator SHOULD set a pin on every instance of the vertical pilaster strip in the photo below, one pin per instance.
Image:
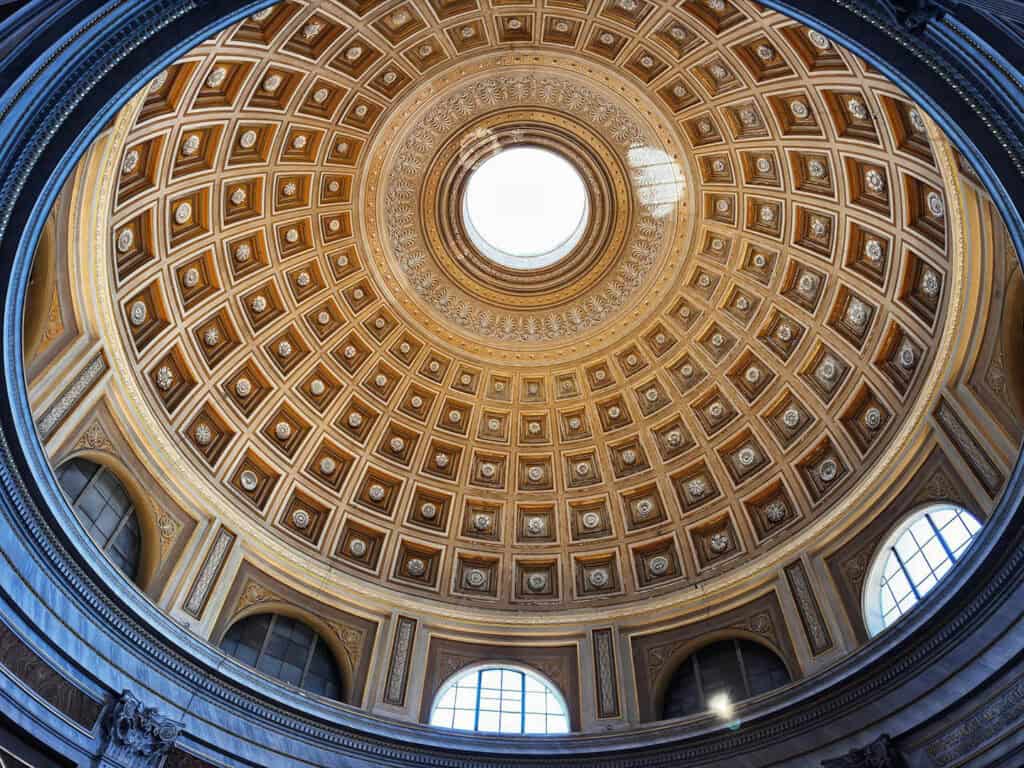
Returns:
(818, 636)
(401, 657)
(605, 673)
(209, 573)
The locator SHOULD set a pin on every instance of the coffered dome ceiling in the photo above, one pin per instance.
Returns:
(313, 350)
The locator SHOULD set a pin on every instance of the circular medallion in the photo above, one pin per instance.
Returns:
(658, 565)
(357, 547)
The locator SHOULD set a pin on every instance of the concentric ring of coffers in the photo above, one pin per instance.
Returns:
(745, 343)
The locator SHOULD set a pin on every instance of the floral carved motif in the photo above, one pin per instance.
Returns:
(94, 439)
(995, 377)
(938, 488)
(54, 322)
(856, 568)
(169, 528)
(254, 594)
(352, 641)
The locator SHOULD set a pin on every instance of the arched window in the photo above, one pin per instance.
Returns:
(721, 674)
(287, 649)
(500, 700)
(917, 554)
(106, 511)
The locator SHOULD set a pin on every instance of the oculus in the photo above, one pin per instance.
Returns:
(525, 208)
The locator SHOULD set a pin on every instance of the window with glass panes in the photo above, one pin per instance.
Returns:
(105, 510)
(921, 556)
(500, 700)
(287, 649)
(738, 669)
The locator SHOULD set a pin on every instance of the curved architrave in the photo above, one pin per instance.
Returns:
(981, 561)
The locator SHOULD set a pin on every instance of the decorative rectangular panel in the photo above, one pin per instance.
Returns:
(209, 573)
(987, 472)
(71, 396)
(818, 636)
(401, 656)
(605, 675)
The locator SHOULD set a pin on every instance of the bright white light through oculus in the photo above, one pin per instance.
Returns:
(525, 207)
(658, 182)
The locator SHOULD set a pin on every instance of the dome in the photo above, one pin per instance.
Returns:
(564, 344)
(319, 353)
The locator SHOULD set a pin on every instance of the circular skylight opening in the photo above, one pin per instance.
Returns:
(525, 208)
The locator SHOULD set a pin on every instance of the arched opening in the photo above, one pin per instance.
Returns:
(106, 511)
(715, 677)
(526, 207)
(285, 648)
(500, 699)
(913, 559)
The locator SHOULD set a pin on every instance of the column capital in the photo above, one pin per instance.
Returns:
(136, 736)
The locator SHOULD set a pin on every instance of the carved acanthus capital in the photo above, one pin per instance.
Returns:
(136, 735)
